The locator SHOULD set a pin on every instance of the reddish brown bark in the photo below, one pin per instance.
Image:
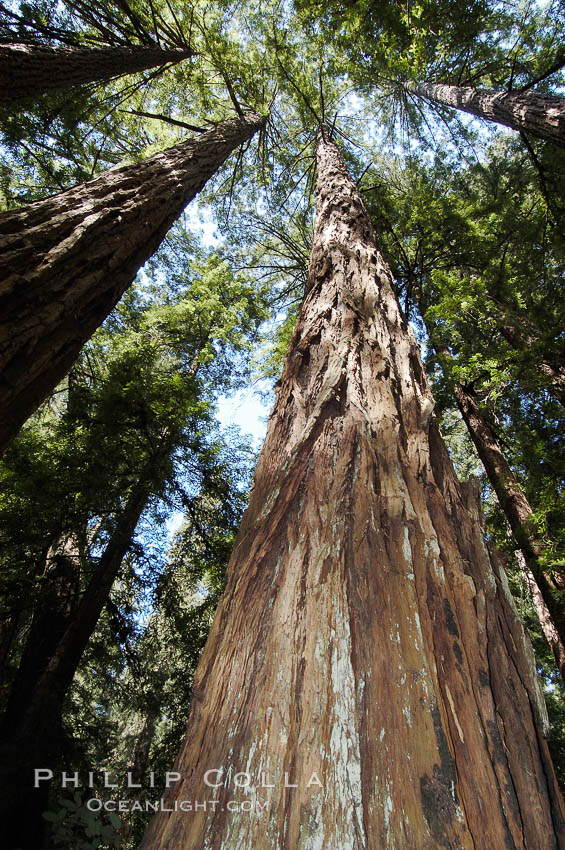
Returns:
(547, 600)
(29, 70)
(520, 516)
(66, 261)
(365, 634)
(541, 115)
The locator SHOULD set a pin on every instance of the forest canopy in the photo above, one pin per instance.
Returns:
(158, 206)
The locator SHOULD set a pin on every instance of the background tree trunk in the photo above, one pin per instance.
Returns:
(31, 730)
(542, 115)
(50, 620)
(365, 635)
(554, 373)
(66, 261)
(29, 70)
(548, 601)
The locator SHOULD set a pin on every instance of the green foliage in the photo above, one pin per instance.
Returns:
(408, 37)
(137, 407)
(471, 224)
(75, 825)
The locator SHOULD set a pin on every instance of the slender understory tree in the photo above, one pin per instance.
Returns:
(366, 659)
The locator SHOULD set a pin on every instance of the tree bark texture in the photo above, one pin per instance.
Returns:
(548, 601)
(65, 262)
(365, 635)
(542, 115)
(29, 70)
(520, 515)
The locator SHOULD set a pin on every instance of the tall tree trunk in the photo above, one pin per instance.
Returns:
(546, 622)
(8, 634)
(542, 115)
(365, 639)
(28, 70)
(50, 620)
(30, 735)
(139, 758)
(548, 602)
(66, 261)
(554, 373)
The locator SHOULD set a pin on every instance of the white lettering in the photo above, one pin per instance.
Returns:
(131, 783)
(72, 779)
(41, 774)
(211, 784)
(314, 781)
(107, 783)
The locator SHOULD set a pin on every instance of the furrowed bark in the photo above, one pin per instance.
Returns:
(29, 70)
(542, 115)
(520, 516)
(65, 262)
(547, 600)
(365, 638)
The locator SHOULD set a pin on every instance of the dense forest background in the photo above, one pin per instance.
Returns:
(470, 217)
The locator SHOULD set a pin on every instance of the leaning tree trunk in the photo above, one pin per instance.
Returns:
(554, 373)
(365, 641)
(66, 261)
(523, 335)
(31, 730)
(28, 70)
(542, 115)
(548, 602)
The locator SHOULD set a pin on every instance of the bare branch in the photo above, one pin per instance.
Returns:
(166, 118)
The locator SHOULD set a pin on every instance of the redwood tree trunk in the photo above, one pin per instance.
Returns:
(554, 373)
(50, 620)
(28, 70)
(31, 731)
(541, 115)
(548, 602)
(365, 636)
(66, 261)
